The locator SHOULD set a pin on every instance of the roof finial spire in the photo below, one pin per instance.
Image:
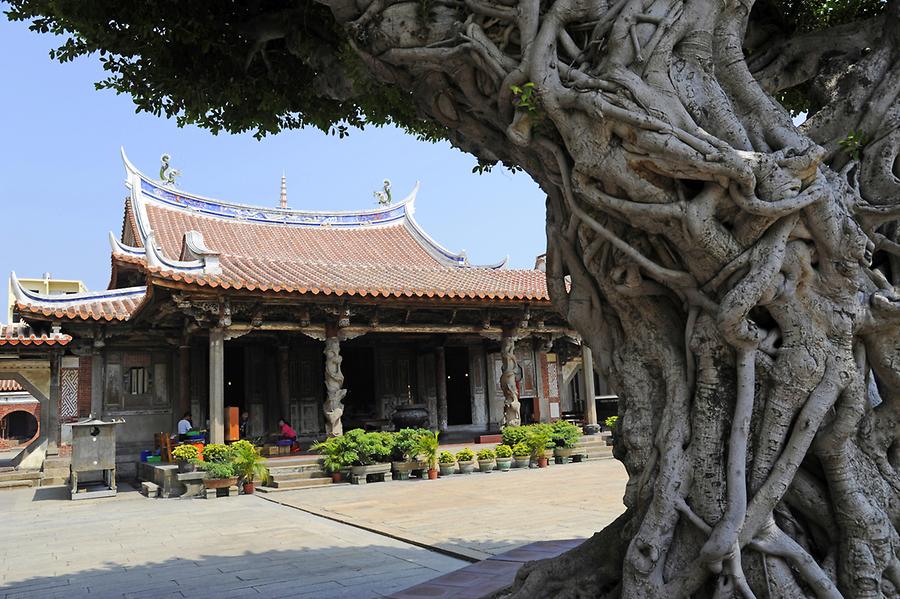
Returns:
(283, 191)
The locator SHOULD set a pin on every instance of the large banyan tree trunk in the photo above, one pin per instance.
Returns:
(735, 273)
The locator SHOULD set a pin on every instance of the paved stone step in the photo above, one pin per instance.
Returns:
(293, 461)
(297, 475)
(54, 481)
(56, 471)
(20, 475)
(302, 483)
(58, 463)
(300, 469)
(9, 485)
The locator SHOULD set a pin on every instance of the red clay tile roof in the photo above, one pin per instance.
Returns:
(376, 261)
(17, 335)
(115, 304)
(7, 386)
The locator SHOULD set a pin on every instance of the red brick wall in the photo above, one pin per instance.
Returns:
(32, 408)
(85, 369)
(547, 372)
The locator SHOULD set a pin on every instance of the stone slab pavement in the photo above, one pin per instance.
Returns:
(132, 547)
(476, 516)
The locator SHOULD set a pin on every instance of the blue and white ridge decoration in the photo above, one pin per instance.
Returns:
(144, 189)
(55, 302)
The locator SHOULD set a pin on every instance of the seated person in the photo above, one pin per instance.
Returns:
(287, 432)
(244, 425)
(184, 425)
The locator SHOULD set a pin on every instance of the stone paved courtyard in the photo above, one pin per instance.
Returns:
(479, 515)
(250, 546)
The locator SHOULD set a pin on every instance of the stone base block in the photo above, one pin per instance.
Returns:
(150, 489)
(231, 491)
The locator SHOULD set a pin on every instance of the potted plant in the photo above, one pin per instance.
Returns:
(217, 463)
(612, 424)
(336, 456)
(486, 460)
(504, 457)
(427, 450)
(538, 441)
(372, 452)
(514, 434)
(447, 463)
(564, 436)
(521, 455)
(403, 455)
(186, 456)
(248, 464)
(465, 459)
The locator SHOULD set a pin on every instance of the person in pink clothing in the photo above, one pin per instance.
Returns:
(287, 432)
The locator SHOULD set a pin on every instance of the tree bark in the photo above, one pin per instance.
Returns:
(735, 274)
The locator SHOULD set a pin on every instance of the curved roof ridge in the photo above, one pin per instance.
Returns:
(26, 296)
(438, 251)
(142, 186)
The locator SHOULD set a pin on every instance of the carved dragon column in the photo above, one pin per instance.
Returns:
(334, 383)
(511, 406)
(441, 377)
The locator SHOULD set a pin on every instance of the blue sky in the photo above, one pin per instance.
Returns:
(61, 177)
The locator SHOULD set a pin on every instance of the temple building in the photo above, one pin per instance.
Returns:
(333, 320)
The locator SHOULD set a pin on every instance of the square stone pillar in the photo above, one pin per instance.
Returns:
(587, 374)
(217, 385)
(52, 430)
(98, 378)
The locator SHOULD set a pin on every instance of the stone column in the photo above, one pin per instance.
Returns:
(512, 415)
(587, 374)
(334, 384)
(53, 405)
(284, 383)
(97, 384)
(217, 385)
(440, 367)
(184, 382)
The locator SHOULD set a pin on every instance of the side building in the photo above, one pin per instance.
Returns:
(333, 320)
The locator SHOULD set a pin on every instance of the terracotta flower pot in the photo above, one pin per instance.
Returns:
(432, 474)
(336, 477)
(249, 488)
(542, 462)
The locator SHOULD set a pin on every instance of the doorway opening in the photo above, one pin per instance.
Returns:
(459, 399)
(358, 367)
(234, 378)
(17, 428)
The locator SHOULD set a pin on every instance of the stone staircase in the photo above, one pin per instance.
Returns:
(56, 471)
(10, 479)
(289, 474)
(595, 446)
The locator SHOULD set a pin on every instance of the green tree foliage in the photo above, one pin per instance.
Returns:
(260, 66)
(269, 65)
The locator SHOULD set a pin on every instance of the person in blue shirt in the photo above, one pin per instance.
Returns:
(184, 425)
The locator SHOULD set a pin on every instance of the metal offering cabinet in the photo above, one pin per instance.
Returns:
(93, 450)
